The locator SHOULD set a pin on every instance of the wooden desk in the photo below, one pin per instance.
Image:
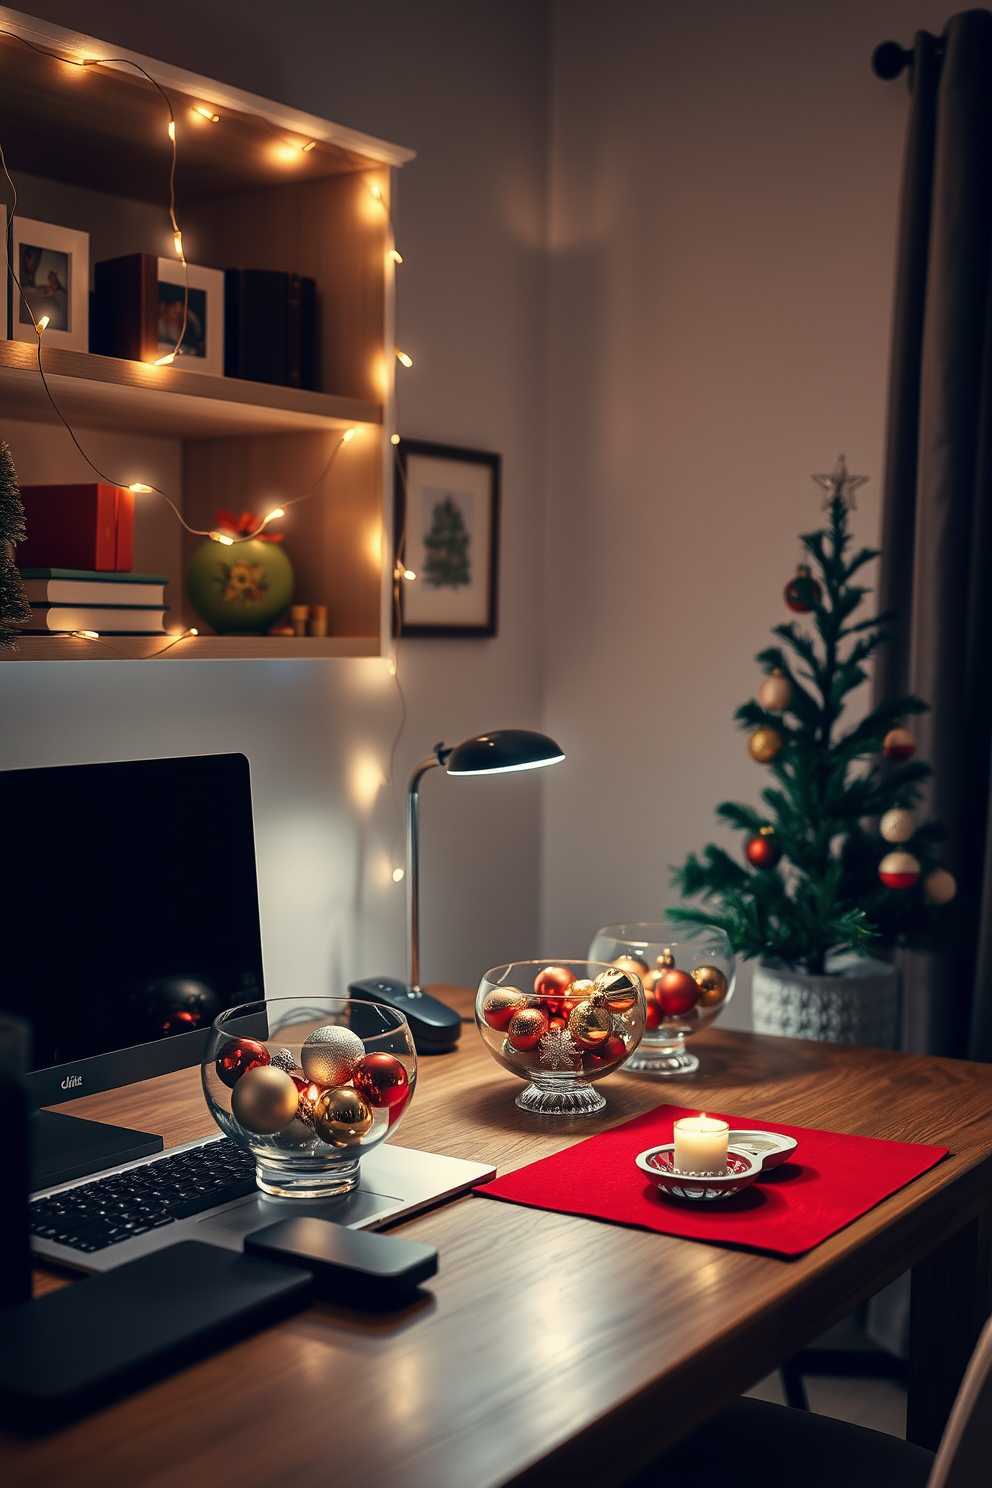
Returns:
(556, 1349)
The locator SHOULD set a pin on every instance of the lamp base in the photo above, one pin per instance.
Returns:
(436, 1028)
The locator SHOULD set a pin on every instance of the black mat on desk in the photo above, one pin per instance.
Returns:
(73, 1350)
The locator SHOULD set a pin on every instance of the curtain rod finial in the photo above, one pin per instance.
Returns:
(889, 59)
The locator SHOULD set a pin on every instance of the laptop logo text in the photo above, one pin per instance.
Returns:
(72, 1082)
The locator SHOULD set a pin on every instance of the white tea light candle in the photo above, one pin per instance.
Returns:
(701, 1145)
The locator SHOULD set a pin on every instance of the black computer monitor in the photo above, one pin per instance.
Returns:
(130, 912)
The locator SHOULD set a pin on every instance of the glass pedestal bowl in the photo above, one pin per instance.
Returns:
(687, 983)
(308, 1087)
(561, 1026)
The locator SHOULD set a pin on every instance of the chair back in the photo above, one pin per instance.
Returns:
(964, 1458)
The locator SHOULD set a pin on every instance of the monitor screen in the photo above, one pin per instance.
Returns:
(130, 908)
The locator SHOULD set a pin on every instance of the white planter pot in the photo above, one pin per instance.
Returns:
(857, 1003)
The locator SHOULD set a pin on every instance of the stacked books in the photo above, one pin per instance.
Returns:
(64, 599)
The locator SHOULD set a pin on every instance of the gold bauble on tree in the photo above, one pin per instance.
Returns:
(939, 886)
(765, 744)
(897, 825)
(775, 692)
(264, 1100)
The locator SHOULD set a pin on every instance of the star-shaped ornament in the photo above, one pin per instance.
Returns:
(841, 485)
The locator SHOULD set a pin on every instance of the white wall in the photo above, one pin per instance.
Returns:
(725, 182)
(466, 87)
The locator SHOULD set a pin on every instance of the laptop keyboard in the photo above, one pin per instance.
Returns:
(123, 1205)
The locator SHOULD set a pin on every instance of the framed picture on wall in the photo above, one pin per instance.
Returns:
(447, 539)
(202, 348)
(52, 265)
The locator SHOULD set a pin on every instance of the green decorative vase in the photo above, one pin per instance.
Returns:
(242, 589)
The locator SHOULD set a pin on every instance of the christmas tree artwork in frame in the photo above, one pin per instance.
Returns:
(14, 607)
(447, 540)
(837, 862)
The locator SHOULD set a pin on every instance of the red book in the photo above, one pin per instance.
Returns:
(87, 526)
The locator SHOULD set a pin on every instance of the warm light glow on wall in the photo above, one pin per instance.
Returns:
(373, 545)
(201, 111)
(365, 780)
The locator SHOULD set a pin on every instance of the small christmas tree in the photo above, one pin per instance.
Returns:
(14, 608)
(819, 875)
(446, 545)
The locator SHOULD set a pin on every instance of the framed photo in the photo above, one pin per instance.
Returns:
(53, 266)
(202, 349)
(447, 535)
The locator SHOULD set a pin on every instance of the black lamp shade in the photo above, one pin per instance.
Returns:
(502, 751)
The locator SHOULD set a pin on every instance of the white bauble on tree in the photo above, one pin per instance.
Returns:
(897, 825)
(775, 692)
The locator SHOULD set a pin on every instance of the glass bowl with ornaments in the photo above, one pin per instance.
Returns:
(687, 984)
(562, 1026)
(308, 1086)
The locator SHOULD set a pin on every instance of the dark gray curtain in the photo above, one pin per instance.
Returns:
(937, 523)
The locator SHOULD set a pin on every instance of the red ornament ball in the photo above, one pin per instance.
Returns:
(899, 870)
(898, 744)
(802, 593)
(677, 992)
(553, 981)
(653, 1016)
(237, 1057)
(763, 850)
(611, 1051)
(500, 1005)
(526, 1028)
(381, 1078)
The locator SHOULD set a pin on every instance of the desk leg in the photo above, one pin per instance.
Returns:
(951, 1298)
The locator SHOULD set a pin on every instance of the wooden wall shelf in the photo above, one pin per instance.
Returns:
(91, 143)
(192, 648)
(107, 393)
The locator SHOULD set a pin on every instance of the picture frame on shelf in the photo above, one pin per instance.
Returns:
(52, 264)
(446, 536)
(202, 348)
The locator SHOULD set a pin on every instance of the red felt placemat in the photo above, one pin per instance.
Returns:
(831, 1180)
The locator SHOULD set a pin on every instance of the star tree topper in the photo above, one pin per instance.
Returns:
(841, 484)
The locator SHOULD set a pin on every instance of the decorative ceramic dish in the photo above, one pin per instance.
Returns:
(658, 1164)
(771, 1147)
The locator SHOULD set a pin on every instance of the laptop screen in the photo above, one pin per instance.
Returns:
(129, 901)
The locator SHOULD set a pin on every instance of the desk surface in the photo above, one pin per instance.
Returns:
(550, 1344)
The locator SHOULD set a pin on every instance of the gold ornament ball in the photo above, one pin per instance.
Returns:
(939, 887)
(264, 1100)
(897, 825)
(590, 1025)
(330, 1054)
(341, 1117)
(765, 744)
(665, 961)
(632, 965)
(713, 983)
(617, 989)
(775, 693)
(500, 1005)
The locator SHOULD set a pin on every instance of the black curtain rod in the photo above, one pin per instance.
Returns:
(889, 59)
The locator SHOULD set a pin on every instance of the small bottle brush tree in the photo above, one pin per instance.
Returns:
(819, 874)
(14, 608)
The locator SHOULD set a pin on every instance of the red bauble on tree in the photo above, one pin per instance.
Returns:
(677, 992)
(763, 850)
(237, 1057)
(899, 870)
(898, 744)
(803, 593)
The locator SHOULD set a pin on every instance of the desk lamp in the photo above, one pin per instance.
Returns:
(436, 1027)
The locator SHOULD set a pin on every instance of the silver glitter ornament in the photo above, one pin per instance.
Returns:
(330, 1054)
(284, 1060)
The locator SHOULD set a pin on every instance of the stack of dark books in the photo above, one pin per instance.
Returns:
(67, 599)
